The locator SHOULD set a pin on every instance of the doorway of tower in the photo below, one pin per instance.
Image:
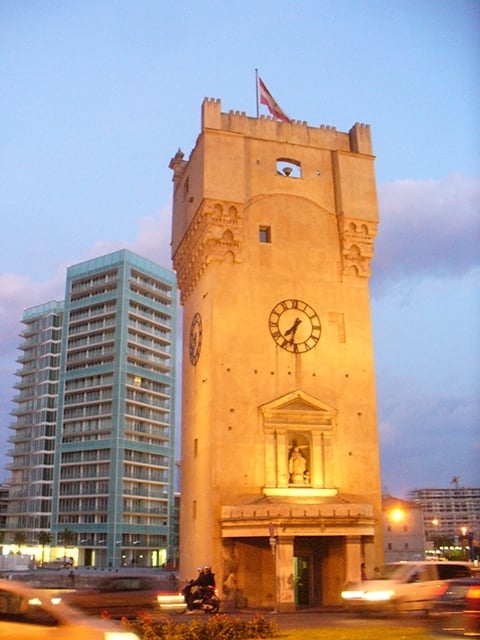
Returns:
(302, 579)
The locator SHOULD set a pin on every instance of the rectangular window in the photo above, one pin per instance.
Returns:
(264, 234)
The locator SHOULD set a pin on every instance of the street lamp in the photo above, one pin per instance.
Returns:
(433, 536)
(397, 515)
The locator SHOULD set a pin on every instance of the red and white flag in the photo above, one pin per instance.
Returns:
(269, 101)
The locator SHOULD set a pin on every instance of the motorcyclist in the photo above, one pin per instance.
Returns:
(205, 579)
(209, 577)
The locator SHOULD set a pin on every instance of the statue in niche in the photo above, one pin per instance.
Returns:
(297, 465)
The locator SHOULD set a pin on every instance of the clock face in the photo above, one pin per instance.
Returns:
(195, 343)
(294, 326)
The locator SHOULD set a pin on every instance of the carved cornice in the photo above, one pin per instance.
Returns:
(356, 243)
(215, 232)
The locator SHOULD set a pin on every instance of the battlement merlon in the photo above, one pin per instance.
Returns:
(357, 140)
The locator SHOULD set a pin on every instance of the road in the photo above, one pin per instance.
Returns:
(317, 619)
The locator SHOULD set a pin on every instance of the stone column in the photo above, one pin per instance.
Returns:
(353, 558)
(282, 454)
(285, 594)
(270, 459)
(369, 556)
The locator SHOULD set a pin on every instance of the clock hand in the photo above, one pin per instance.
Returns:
(293, 329)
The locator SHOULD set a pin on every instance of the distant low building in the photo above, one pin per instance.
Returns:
(451, 516)
(403, 529)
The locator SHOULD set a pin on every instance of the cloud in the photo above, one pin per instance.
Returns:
(18, 292)
(152, 241)
(427, 439)
(427, 228)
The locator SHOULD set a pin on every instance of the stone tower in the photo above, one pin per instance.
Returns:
(272, 238)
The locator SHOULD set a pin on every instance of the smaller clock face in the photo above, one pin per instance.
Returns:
(195, 343)
(294, 326)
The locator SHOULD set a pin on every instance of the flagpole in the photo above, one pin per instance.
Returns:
(256, 91)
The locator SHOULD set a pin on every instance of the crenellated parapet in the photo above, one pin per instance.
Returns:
(357, 245)
(223, 173)
(357, 140)
(215, 232)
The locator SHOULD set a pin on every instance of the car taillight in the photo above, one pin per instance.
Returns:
(473, 593)
(442, 589)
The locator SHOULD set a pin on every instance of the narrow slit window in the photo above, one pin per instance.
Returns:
(265, 234)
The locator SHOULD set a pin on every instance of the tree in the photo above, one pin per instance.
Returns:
(19, 538)
(44, 538)
(68, 538)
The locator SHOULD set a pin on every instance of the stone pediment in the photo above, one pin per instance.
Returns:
(297, 408)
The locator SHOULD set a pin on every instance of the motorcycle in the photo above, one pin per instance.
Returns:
(203, 599)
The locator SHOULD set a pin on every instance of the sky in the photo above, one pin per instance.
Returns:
(97, 96)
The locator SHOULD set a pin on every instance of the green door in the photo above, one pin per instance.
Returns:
(302, 580)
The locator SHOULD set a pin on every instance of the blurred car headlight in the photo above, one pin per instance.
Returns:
(370, 596)
(349, 594)
(378, 596)
(171, 601)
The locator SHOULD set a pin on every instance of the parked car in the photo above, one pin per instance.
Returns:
(122, 596)
(60, 563)
(37, 615)
(457, 607)
(403, 586)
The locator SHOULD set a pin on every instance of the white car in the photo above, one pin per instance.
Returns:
(33, 613)
(403, 586)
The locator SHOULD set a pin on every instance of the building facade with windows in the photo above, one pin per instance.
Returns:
(110, 450)
(451, 515)
(403, 530)
(33, 439)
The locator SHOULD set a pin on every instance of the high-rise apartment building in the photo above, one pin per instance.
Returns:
(450, 513)
(30, 496)
(110, 452)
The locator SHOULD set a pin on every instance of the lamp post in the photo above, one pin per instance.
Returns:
(433, 535)
(135, 553)
(467, 535)
(273, 545)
